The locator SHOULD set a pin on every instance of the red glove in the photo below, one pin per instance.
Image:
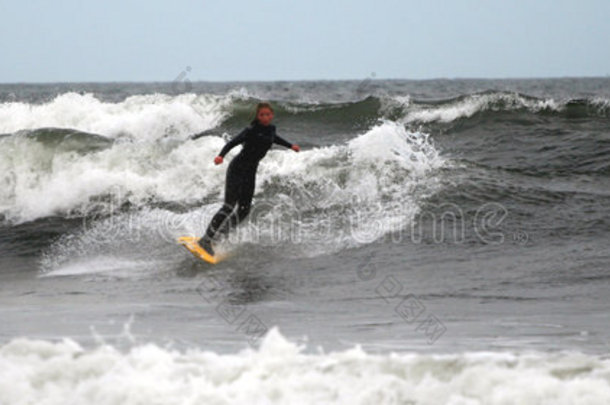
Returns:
(295, 147)
(218, 160)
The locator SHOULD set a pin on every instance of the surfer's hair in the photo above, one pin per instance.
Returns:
(259, 107)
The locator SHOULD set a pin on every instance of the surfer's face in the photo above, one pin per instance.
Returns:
(264, 116)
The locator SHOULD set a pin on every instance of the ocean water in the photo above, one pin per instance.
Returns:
(434, 242)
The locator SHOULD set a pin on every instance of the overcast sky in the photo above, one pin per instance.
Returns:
(154, 40)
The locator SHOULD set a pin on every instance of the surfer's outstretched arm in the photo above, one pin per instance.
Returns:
(238, 139)
(281, 141)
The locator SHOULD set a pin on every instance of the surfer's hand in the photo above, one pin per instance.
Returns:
(218, 160)
(295, 147)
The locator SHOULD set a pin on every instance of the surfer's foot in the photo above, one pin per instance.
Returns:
(206, 244)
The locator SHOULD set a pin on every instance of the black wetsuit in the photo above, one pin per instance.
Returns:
(239, 189)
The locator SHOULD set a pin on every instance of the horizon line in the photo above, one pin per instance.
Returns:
(373, 78)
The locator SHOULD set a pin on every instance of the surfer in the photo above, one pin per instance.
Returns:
(257, 139)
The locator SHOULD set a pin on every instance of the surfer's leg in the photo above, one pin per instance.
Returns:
(221, 220)
(217, 226)
(244, 193)
(239, 190)
(244, 202)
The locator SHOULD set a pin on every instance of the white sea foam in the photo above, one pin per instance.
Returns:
(470, 105)
(145, 117)
(602, 104)
(281, 372)
(40, 181)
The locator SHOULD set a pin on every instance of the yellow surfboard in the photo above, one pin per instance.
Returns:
(190, 243)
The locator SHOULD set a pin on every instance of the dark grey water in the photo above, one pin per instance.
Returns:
(434, 216)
